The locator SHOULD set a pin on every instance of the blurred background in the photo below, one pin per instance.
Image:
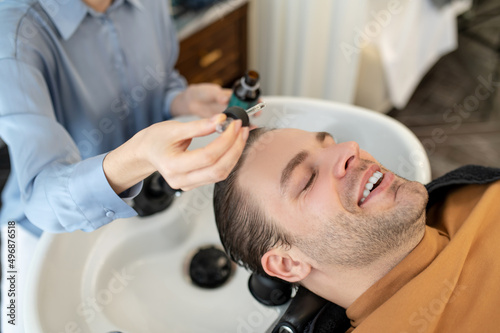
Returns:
(432, 64)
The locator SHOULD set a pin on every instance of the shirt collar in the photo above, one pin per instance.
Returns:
(68, 15)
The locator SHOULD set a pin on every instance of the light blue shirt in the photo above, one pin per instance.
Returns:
(75, 84)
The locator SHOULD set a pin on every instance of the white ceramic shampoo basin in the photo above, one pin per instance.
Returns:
(130, 276)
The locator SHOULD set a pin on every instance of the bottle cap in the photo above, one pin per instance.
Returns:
(236, 112)
(251, 78)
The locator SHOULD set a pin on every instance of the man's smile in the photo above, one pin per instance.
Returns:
(371, 184)
(378, 182)
(368, 180)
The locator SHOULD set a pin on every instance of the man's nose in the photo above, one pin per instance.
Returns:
(343, 156)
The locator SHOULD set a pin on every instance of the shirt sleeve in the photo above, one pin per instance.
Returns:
(176, 82)
(176, 85)
(60, 192)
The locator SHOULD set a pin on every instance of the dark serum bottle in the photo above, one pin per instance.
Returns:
(246, 91)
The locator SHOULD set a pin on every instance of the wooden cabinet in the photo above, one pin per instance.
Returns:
(217, 53)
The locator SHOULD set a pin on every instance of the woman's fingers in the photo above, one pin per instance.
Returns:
(211, 153)
(195, 128)
(223, 96)
(186, 169)
(214, 172)
(226, 163)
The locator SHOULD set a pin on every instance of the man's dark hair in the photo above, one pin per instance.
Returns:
(245, 231)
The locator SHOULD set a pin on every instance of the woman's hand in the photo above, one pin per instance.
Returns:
(163, 147)
(203, 100)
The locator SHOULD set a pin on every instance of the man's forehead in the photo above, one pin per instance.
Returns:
(279, 139)
(276, 144)
(269, 155)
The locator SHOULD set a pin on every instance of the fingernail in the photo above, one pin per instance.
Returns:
(246, 131)
(222, 126)
(237, 125)
(218, 118)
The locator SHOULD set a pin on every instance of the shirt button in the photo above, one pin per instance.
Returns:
(110, 213)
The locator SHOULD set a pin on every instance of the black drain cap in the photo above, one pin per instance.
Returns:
(210, 268)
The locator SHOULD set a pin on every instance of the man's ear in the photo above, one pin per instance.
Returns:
(282, 264)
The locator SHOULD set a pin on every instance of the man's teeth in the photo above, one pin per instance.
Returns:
(374, 179)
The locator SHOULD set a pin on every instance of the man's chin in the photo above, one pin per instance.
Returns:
(413, 198)
(409, 196)
(421, 192)
(412, 191)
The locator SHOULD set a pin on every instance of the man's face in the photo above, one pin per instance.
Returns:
(313, 188)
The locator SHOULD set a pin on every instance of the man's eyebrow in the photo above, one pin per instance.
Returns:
(296, 161)
(287, 171)
(321, 136)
